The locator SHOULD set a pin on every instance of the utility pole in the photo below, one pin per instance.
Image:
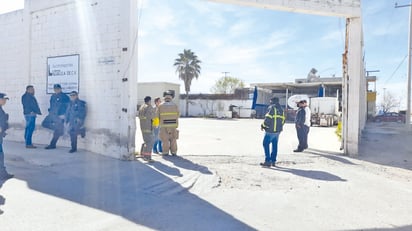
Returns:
(408, 85)
(384, 100)
(225, 73)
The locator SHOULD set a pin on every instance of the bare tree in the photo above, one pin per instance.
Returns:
(389, 102)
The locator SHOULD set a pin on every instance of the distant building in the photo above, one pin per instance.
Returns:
(237, 105)
(240, 103)
(156, 89)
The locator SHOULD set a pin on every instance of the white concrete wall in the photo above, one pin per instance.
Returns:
(216, 108)
(12, 73)
(102, 32)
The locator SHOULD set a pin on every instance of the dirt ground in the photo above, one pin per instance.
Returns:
(216, 183)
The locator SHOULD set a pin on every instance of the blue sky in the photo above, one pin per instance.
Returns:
(258, 45)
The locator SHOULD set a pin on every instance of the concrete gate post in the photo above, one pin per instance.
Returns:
(355, 81)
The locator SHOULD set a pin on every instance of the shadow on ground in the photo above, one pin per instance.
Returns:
(132, 190)
(395, 228)
(386, 144)
(312, 174)
(181, 162)
(2, 199)
(335, 156)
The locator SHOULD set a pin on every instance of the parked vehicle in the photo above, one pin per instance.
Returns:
(325, 111)
(390, 117)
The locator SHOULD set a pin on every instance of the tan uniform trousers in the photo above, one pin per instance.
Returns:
(169, 137)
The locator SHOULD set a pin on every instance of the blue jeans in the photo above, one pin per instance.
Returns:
(267, 140)
(157, 147)
(30, 126)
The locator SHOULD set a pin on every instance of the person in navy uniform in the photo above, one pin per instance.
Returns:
(4, 125)
(30, 110)
(75, 116)
(58, 106)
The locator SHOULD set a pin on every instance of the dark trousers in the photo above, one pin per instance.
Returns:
(2, 167)
(302, 132)
(58, 131)
(30, 126)
(73, 139)
(76, 128)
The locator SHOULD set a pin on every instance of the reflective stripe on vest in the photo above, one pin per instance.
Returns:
(275, 117)
(168, 113)
(169, 125)
(146, 131)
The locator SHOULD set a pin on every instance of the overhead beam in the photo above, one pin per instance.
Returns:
(337, 8)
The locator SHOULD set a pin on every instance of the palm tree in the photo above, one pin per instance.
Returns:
(188, 68)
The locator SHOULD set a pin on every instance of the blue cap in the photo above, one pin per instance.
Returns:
(3, 96)
(73, 93)
(57, 86)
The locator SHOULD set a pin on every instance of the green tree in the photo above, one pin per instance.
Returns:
(227, 85)
(188, 68)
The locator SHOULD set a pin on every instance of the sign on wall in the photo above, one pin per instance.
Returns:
(63, 70)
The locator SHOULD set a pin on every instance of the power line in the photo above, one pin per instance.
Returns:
(397, 68)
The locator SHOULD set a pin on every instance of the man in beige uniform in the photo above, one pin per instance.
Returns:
(168, 114)
(146, 115)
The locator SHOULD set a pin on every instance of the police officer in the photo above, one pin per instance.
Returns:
(75, 116)
(168, 114)
(4, 125)
(58, 106)
(273, 126)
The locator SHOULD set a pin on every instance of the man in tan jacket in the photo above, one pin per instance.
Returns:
(168, 114)
(146, 115)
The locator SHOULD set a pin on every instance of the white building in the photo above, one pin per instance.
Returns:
(156, 89)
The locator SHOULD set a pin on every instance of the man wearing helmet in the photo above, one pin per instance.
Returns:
(168, 115)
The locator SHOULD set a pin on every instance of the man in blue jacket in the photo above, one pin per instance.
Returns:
(58, 106)
(273, 126)
(75, 116)
(30, 110)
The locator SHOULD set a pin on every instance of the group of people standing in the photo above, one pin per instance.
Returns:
(273, 126)
(158, 125)
(63, 109)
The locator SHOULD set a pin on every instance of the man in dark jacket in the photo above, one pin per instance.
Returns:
(273, 126)
(4, 125)
(302, 124)
(58, 106)
(30, 110)
(75, 116)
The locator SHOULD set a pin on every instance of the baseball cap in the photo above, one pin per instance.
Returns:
(73, 93)
(57, 86)
(3, 96)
